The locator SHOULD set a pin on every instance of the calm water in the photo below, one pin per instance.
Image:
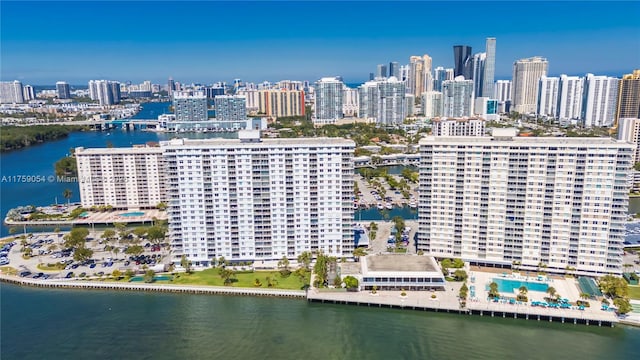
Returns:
(57, 324)
(152, 110)
(68, 324)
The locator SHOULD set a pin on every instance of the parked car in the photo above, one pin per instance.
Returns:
(69, 275)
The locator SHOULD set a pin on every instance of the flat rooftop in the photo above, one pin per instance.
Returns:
(523, 141)
(401, 262)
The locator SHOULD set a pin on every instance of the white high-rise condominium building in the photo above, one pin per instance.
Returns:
(28, 93)
(489, 68)
(350, 101)
(479, 60)
(249, 200)
(125, 178)
(432, 105)
(328, 102)
(383, 100)
(502, 90)
(548, 96)
(570, 97)
(368, 95)
(457, 97)
(552, 202)
(11, 92)
(106, 92)
(190, 106)
(526, 76)
(391, 102)
(231, 108)
(600, 96)
(629, 131)
(457, 127)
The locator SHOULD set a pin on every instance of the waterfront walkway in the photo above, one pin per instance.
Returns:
(191, 289)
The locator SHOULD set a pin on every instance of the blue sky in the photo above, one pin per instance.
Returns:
(207, 41)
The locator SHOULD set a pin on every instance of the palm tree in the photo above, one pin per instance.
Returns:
(551, 291)
(523, 290)
(493, 290)
(67, 193)
(358, 252)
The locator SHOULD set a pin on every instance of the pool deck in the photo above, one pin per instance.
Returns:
(447, 301)
(98, 218)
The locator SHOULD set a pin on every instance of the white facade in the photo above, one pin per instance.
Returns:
(502, 90)
(526, 76)
(11, 92)
(247, 199)
(230, 108)
(561, 202)
(350, 102)
(548, 96)
(432, 105)
(569, 97)
(457, 96)
(28, 93)
(600, 96)
(125, 178)
(458, 127)
(328, 101)
(629, 131)
(383, 101)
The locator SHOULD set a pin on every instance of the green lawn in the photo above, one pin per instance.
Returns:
(212, 277)
(634, 292)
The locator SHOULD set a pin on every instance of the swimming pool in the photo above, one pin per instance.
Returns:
(130, 214)
(512, 285)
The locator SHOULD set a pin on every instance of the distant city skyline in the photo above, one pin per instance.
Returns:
(206, 42)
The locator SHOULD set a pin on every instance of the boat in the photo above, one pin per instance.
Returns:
(413, 205)
(380, 206)
(389, 206)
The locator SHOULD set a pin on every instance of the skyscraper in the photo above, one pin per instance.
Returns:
(439, 75)
(502, 90)
(489, 67)
(432, 104)
(629, 96)
(526, 76)
(548, 96)
(629, 131)
(383, 100)
(28, 93)
(569, 97)
(251, 199)
(493, 218)
(463, 61)
(478, 73)
(171, 86)
(11, 92)
(381, 71)
(231, 108)
(394, 69)
(416, 75)
(391, 102)
(600, 95)
(420, 78)
(457, 97)
(328, 102)
(63, 90)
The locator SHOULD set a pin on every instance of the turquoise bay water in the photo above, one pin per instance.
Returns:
(509, 285)
(75, 324)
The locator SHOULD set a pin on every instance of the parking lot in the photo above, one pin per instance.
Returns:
(50, 259)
